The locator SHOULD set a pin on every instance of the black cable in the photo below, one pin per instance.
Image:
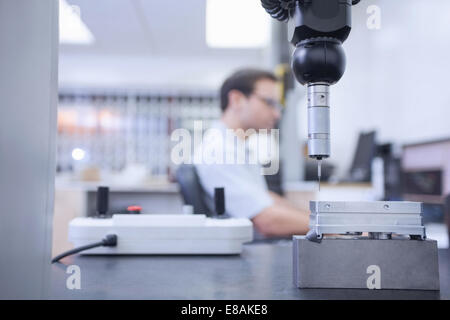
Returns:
(282, 9)
(109, 241)
(279, 9)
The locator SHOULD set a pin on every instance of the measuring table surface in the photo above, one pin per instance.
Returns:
(262, 271)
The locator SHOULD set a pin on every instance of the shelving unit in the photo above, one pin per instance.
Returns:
(114, 129)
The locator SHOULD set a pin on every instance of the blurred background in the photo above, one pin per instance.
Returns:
(132, 71)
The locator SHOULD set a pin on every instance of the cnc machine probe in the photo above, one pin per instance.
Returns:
(317, 29)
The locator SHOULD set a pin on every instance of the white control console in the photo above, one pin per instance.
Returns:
(162, 234)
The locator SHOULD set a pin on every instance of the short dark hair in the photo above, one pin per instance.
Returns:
(244, 81)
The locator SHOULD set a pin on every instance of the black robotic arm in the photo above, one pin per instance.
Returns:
(317, 29)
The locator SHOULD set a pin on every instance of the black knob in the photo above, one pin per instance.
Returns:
(102, 200)
(219, 200)
(318, 60)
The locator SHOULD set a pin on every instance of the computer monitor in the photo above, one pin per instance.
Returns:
(362, 162)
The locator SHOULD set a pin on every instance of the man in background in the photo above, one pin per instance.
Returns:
(249, 100)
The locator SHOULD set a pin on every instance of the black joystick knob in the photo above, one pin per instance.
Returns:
(219, 202)
(102, 201)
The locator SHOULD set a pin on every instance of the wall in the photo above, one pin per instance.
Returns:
(396, 79)
(138, 71)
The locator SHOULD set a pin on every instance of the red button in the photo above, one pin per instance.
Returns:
(134, 208)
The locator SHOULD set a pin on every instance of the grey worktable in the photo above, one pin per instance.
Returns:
(263, 271)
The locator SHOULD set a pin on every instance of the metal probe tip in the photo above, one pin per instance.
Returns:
(319, 170)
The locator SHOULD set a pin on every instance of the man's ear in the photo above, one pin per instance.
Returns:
(235, 99)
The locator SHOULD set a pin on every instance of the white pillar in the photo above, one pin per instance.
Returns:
(28, 99)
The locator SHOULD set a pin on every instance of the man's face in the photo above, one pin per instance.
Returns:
(260, 110)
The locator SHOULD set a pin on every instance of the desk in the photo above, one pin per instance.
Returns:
(300, 193)
(263, 271)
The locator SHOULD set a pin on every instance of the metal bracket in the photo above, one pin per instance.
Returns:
(381, 219)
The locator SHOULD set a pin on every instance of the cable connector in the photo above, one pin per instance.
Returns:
(109, 241)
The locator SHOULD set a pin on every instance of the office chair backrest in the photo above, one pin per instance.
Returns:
(191, 189)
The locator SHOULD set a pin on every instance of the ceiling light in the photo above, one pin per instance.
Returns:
(78, 154)
(72, 29)
(236, 24)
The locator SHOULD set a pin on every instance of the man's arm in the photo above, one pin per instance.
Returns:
(281, 219)
(271, 214)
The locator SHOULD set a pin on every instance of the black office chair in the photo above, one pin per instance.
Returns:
(192, 190)
(193, 194)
